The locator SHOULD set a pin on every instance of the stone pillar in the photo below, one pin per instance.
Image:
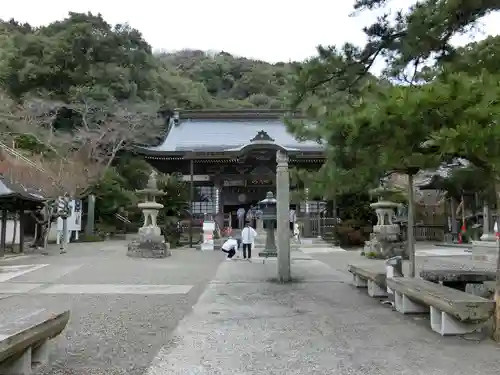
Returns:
(282, 211)
(89, 226)
(488, 235)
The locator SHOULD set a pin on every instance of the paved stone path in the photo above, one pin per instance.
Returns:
(143, 317)
(244, 324)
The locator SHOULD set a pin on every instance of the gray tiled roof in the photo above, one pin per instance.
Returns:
(9, 190)
(228, 135)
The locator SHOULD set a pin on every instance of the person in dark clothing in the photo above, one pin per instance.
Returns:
(41, 224)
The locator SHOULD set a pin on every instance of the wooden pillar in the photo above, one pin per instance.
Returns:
(21, 229)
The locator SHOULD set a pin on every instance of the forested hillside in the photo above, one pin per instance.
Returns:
(84, 51)
(76, 94)
(232, 82)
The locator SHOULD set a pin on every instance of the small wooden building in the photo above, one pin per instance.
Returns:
(15, 200)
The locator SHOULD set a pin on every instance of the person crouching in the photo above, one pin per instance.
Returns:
(230, 246)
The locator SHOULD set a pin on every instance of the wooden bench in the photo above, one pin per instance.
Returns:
(453, 312)
(25, 339)
(369, 277)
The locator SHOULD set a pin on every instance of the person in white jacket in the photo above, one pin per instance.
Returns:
(230, 246)
(248, 235)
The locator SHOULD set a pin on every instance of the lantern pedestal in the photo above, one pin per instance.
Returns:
(268, 208)
(270, 249)
(150, 243)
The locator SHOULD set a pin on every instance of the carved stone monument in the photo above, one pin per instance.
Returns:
(150, 242)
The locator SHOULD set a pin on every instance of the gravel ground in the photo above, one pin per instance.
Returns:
(112, 333)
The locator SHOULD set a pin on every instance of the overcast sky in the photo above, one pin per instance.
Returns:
(271, 30)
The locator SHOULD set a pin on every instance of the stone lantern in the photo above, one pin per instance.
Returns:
(385, 241)
(268, 208)
(150, 243)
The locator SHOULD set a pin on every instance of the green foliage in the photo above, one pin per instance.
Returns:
(29, 142)
(135, 172)
(423, 31)
(95, 74)
(374, 126)
(232, 82)
(111, 196)
(466, 180)
(84, 53)
(176, 195)
(81, 51)
(175, 200)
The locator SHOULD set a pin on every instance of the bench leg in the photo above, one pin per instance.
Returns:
(446, 325)
(375, 291)
(19, 366)
(405, 305)
(40, 355)
(359, 282)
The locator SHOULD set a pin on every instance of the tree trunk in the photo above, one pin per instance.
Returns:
(411, 225)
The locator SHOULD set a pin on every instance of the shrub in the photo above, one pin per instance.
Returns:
(349, 235)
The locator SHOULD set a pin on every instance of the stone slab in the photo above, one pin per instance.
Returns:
(465, 276)
(375, 274)
(27, 328)
(463, 306)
